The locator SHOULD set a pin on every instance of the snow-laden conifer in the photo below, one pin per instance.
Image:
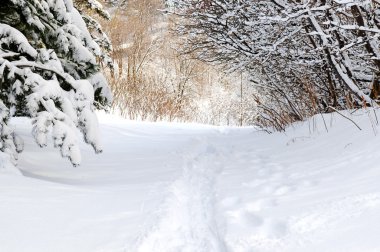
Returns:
(50, 55)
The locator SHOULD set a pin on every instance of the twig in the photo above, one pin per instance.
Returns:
(354, 111)
(324, 122)
(346, 117)
(377, 121)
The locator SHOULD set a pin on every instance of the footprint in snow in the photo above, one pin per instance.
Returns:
(261, 205)
(230, 202)
(187, 221)
(282, 190)
(252, 224)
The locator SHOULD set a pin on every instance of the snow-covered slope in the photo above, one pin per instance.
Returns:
(190, 188)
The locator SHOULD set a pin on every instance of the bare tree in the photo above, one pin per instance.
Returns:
(308, 56)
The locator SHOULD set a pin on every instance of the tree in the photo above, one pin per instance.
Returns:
(50, 72)
(307, 56)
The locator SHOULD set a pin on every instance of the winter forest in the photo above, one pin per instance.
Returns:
(189, 125)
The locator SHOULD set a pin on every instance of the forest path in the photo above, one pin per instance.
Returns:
(173, 187)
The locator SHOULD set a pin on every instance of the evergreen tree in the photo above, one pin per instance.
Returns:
(50, 55)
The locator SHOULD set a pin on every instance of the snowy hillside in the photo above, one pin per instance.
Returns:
(192, 188)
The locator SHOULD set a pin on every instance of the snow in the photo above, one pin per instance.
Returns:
(9, 35)
(98, 81)
(189, 187)
(78, 21)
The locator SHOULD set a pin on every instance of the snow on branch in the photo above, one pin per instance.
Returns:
(49, 72)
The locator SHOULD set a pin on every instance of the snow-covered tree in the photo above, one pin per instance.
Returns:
(50, 71)
(308, 56)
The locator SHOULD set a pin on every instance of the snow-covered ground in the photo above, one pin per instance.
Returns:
(162, 187)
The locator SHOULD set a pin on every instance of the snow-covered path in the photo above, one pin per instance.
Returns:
(187, 221)
(191, 188)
